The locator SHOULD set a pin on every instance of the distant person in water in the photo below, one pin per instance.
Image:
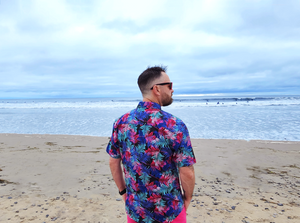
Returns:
(156, 152)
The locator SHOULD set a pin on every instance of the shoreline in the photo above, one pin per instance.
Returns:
(106, 137)
(66, 178)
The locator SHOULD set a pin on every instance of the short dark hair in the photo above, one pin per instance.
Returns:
(150, 74)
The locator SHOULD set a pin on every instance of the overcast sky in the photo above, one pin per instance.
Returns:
(86, 48)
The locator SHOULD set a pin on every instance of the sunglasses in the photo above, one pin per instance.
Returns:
(169, 83)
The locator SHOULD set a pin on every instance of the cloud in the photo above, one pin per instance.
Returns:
(98, 48)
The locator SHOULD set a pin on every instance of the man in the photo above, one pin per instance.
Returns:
(155, 149)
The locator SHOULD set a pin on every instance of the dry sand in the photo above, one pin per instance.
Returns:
(62, 178)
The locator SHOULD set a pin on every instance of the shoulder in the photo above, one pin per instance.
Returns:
(124, 118)
(167, 115)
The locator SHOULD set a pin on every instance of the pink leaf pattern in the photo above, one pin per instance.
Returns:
(152, 144)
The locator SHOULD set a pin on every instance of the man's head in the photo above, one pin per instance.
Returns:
(156, 86)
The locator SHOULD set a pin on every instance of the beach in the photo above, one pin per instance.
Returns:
(66, 178)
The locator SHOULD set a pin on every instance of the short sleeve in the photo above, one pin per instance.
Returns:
(184, 154)
(112, 148)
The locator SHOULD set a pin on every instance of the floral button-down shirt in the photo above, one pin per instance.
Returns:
(152, 144)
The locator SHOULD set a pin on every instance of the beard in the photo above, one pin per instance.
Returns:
(167, 100)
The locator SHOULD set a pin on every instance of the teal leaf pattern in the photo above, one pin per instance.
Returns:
(152, 144)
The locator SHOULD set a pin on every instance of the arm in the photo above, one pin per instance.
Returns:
(187, 178)
(117, 173)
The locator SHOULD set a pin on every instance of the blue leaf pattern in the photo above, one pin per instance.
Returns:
(152, 144)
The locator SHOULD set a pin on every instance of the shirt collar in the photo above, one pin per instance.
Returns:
(149, 105)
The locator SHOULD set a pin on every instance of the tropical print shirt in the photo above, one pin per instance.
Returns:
(152, 144)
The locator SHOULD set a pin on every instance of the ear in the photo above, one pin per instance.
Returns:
(156, 90)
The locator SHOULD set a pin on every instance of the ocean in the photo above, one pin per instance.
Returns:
(248, 117)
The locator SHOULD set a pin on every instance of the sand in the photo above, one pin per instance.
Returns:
(63, 178)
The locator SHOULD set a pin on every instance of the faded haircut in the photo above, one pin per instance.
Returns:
(148, 76)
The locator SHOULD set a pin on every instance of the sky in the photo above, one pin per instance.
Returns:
(98, 48)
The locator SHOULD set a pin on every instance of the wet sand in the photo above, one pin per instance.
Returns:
(63, 178)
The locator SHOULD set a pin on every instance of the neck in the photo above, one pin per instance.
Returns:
(147, 99)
